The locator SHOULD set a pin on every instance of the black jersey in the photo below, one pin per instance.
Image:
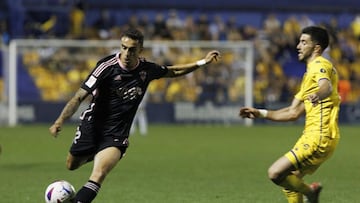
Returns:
(117, 93)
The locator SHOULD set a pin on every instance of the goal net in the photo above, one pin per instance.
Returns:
(43, 74)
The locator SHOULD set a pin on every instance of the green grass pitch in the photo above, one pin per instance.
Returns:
(176, 164)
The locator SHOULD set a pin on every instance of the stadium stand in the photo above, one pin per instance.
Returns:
(233, 20)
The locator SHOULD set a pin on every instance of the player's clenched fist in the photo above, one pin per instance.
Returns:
(212, 55)
(249, 112)
(55, 129)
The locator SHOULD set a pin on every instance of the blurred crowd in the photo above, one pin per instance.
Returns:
(277, 73)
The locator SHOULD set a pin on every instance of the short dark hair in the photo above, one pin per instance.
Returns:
(318, 35)
(134, 34)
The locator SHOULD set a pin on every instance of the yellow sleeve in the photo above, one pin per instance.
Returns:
(322, 70)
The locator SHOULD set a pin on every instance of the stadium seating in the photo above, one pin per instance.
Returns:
(246, 13)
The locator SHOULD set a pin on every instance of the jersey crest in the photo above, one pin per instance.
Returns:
(142, 75)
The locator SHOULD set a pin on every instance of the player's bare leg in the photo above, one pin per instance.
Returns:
(280, 169)
(74, 162)
(104, 162)
(283, 173)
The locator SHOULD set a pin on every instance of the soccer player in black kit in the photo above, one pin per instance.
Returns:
(117, 85)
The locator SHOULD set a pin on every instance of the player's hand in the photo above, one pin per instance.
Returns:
(213, 55)
(249, 112)
(55, 129)
(314, 99)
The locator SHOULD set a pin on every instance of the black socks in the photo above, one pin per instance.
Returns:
(87, 193)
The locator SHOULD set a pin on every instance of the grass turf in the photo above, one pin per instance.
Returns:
(175, 164)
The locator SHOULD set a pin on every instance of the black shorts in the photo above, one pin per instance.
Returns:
(88, 141)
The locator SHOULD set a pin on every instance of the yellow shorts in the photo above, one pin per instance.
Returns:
(310, 151)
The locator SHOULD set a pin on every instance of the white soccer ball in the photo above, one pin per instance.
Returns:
(59, 191)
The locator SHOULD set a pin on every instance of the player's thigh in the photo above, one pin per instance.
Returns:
(311, 151)
(106, 159)
(280, 169)
(74, 162)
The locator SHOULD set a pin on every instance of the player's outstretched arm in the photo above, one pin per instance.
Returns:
(290, 113)
(70, 108)
(182, 69)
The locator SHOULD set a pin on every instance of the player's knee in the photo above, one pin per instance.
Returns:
(71, 165)
(274, 175)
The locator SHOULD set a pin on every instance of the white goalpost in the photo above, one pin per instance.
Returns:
(239, 57)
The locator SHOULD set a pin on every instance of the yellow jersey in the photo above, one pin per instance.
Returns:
(323, 118)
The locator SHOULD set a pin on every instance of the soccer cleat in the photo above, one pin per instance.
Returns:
(314, 196)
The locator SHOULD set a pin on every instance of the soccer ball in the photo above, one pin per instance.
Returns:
(59, 191)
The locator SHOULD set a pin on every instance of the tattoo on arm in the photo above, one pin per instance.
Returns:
(72, 106)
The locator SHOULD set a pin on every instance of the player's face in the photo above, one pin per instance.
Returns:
(305, 47)
(130, 50)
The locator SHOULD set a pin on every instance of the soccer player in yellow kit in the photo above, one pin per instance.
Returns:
(319, 99)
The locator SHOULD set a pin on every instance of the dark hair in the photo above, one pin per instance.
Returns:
(318, 35)
(135, 35)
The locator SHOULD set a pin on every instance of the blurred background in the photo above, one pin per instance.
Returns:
(47, 75)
